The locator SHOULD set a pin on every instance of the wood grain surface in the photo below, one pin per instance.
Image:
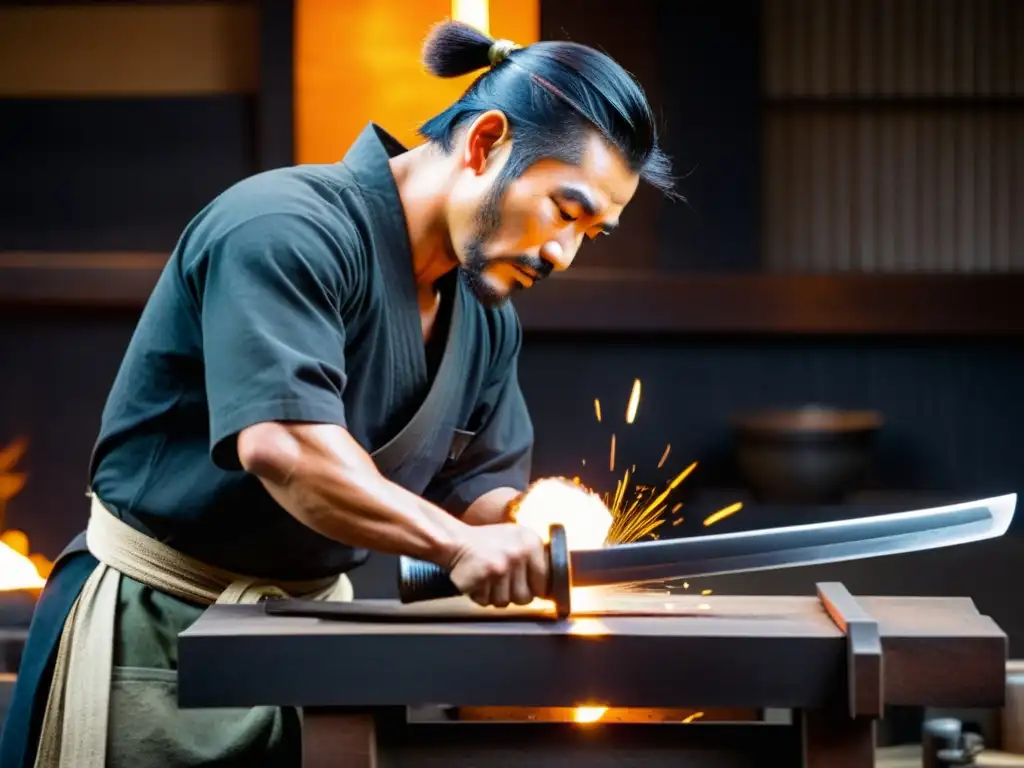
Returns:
(739, 652)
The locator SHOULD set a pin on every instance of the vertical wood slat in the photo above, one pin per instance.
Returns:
(893, 47)
(894, 188)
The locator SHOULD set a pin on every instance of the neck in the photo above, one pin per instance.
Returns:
(421, 175)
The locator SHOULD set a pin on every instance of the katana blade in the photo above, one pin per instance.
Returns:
(811, 544)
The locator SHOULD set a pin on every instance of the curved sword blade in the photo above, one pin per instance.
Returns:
(810, 544)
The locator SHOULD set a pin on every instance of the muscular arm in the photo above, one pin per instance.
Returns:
(324, 478)
(490, 508)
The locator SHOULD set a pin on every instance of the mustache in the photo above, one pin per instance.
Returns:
(532, 264)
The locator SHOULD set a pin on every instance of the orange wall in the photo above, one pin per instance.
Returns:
(358, 61)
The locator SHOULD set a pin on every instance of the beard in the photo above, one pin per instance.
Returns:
(476, 262)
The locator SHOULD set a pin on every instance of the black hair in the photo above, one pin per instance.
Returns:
(552, 93)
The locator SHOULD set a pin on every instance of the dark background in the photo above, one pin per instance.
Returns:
(738, 298)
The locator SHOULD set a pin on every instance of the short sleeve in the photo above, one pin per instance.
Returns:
(500, 453)
(273, 339)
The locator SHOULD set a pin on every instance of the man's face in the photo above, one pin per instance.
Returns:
(542, 219)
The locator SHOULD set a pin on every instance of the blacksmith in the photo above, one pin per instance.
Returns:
(327, 367)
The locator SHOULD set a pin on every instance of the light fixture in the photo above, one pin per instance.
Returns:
(476, 13)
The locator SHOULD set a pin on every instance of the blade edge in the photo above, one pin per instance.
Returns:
(653, 561)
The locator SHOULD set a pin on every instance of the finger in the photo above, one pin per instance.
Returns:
(501, 589)
(481, 594)
(520, 583)
(463, 579)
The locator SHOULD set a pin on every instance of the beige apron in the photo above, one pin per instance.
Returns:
(83, 674)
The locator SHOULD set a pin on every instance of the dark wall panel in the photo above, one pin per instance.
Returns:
(953, 416)
(699, 63)
(116, 174)
(598, 23)
(709, 52)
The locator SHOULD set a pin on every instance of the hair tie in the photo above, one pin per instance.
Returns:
(499, 51)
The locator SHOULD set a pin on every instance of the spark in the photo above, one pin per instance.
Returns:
(664, 455)
(678, 520)
(694, 716)
(597, 409)
(672, 486)
(641, 517)
(706, 592)
(723, 513)
(677, 506)
(611, 458)
(634, 402)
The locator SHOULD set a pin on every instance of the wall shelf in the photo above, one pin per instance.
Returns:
(589, 300)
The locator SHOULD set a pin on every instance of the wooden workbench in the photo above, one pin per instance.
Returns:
(833, 660)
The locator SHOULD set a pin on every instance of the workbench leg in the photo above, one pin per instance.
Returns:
(338, 740)
(836, 740)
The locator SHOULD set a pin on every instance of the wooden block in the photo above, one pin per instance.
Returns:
(864, 649)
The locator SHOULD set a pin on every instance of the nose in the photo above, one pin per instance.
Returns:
(557, 255)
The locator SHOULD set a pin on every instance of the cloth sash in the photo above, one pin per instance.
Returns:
(74, 728)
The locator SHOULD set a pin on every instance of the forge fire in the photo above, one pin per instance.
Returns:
(19, 568)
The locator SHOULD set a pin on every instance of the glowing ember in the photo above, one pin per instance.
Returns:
(588, 714)
(18, 569)
(723, 513)
(611, 458)
(664, 456)
(597, 409)
(587, 625)
(556, 500)
(634, 402)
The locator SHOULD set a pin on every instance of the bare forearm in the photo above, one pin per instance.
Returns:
(321, 476)
(491, 508)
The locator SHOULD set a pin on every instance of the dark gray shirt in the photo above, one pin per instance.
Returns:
(291, 298)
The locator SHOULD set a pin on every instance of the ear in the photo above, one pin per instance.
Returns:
(487, 132)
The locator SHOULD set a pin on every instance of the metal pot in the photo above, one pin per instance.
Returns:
(811, 454)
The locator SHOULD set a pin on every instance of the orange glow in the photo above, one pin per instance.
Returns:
(17, 571)
(588, 626)
(359, 61)
(18, 568)
(556, 500)
(588, 714)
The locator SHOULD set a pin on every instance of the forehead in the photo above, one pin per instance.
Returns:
(601, 168)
